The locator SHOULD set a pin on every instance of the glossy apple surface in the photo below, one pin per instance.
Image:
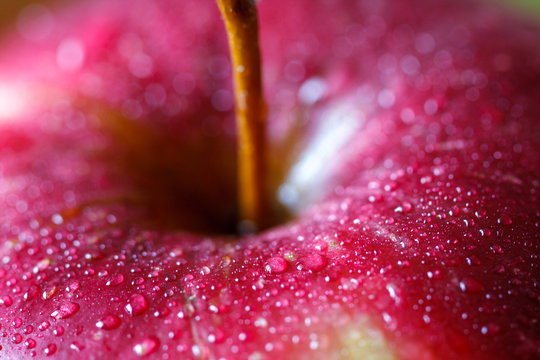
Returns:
(422, 142)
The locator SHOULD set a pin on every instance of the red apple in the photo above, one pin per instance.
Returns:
(416, 232)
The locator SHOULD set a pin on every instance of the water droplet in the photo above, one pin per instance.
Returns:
(289, 256)
(435, 274)
(28, 329)
(218, 336)
(480, 213)
(58, 331)
(136, 305)
(30, 343)
(42, 265)
(76, 346)
(454, 211)
(349, 283)
(66, 310)
(47, 294)
(31, 292)
(485, 232)
(89, 272)
(57, 219)
(259, 284)
(146, 347)
(276, 265)
(395, 293)
(115, 280)
(6, 300)
(50, 350)
(470, 285)
(44, 325)
(205, 270)
(226, 260)
(505, 220)
(16, 338)
(161, 313)
(108, 322)
(321, 245)
(16, 323)
(314, 262)
(490, 329)
(405, 208)
(103, 273)
(73, 286)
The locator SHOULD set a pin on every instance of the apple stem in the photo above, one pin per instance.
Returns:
(241, 22)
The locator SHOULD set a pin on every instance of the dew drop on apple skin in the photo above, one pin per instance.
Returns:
(276, 265)
(146, 346)
(217, 336)
(50, 349)
(108, 322)
(44, 325)
(490, 329)
(435, 274)
(76, 346)
(17, 322)
(404, 208)
(115, 280)
(30, 343)
(58, 331)
(505, 220)
(471, 285)
(73, 286)
(65, 310)
(16, 338)
(31, 292)
(314, 262)
(138, 281)
(6, 300)
(137, 305)
(162, 312)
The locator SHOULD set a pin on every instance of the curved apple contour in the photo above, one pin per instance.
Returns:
(422, 236)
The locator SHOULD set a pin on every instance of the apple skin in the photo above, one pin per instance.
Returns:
(424, 240)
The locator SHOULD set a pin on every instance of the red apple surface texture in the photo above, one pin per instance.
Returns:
(421, 240)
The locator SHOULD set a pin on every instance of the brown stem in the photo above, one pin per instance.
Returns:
(240, 17)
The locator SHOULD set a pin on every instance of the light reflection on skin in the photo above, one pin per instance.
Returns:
(14, 99)
(19, 99)
(337, 125)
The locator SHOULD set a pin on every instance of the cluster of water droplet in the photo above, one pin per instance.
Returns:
(429, 238)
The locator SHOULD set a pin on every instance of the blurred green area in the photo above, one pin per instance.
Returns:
(528, 5)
